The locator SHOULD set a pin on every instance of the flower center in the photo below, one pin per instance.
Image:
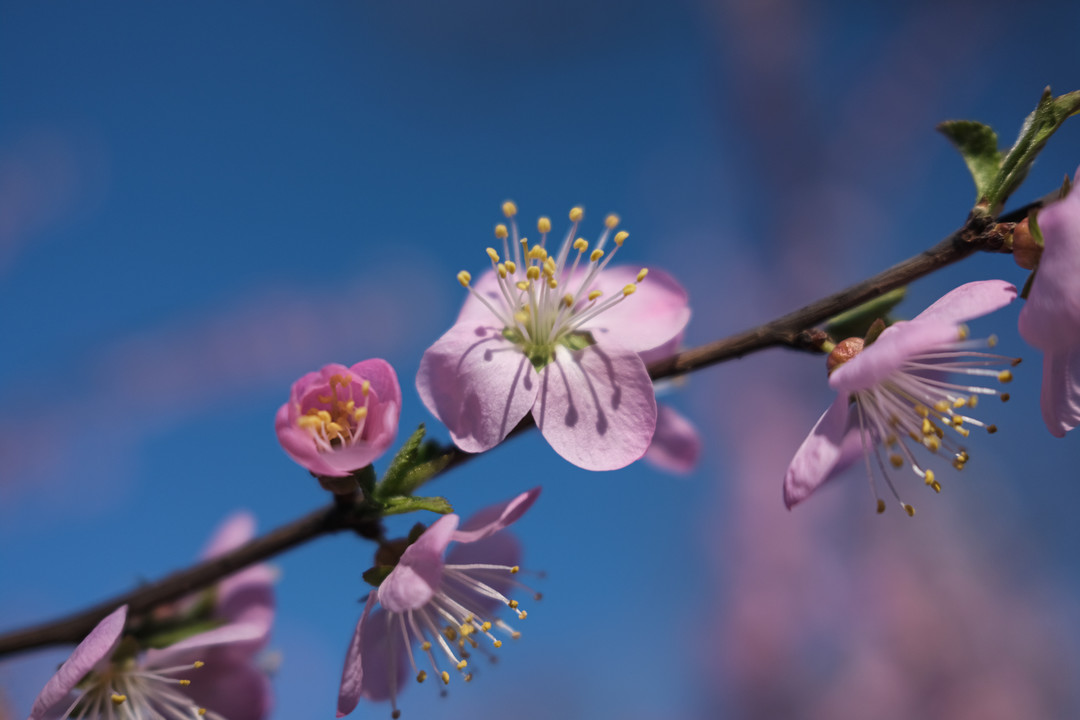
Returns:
(544, 300)
(123, 691)
(336, 420)
(915, 406)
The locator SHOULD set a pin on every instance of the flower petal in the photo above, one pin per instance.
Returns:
(245, 634)
(233, 532)
(478, 383)
(352, 675)
(418, 574)
(896, 345)
(502, 549)
(596, 406)
(970, 301)
(657, 312)
(1061, 391)
(298, 445)
(494, 518)
(676, 445)
(473, 310)
(831, 447)
(233, 690)
(94, 648)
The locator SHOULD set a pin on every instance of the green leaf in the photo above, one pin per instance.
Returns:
(400, 505)
(400, 466)
(1043, 122)
(856, 322)
(977, 144)
(375, 576)
(416, 463)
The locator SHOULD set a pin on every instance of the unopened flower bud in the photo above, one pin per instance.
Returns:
(844, 351)
(1026, 248)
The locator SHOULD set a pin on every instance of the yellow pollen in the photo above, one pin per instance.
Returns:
(509, 209)
(930, 477)
(365, 388)
(595, 294)
(880, 506)
(421, 676)
(957, 420)
(958, 464)
(515, 570)
(909, 509)
(576, 214)
(959, 402)
(513, 604)
(464, 278)
(962, 332)
(493, 255)
(941, 406)
(921, 410)
(596, 255)
(581, 245)
(184, 683)
(445, 677)
(992, 341)
(486, 626)
(538, 253)
(553, 283)
(515, 635)
(973, 401)
(522, 285)
(500, 231)
(511, 267)
(932, 443)
(425, 646)
(964, 432)
(360, 413)
(896, 461)
(533, 273)
(502, 270)
(198, 664)
(549, 266)
(642, 273)
(498, 643)
(118, 699)
(461, 665)
(1005, 376)
(936, 485)
(620, 237)
(543, 225)
(568, 300)
(611, 221)
(522, 615)
(927, 427)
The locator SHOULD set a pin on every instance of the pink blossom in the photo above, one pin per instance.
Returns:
(341, 419)
(1050, 320)
(445, 607)
(212, 674)
(676, 444)
(556, 335)
(892, 393)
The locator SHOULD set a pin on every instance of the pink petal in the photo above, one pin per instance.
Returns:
(596, 406)
(383, 379)
(352, 676)
(94, 648)
(662, 352)
(1061, 391)
(502, 549)
(1050, 319)
(418, 574)
(477, 383)
(298, 445)
(177, 653)
(233, 690)
(473, 310)
(896, 345)
(655, 314)
(676, 445)
(494, 518)
(236, 530)
(831, 447)
(970, 301)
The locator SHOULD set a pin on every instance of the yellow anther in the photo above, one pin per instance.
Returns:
(511, 267)
(543, 225)
(493, 255)
(932, 443)
(486, 626)
(973, 401)
(198, 664)
(964, 432)
(450, 633)
(522, 615)
(576, 214)
(118, 699)
(962, 332)
(595, 294)
(515, 635)
(958, 464)
(513, 604)
(500, 231)
(360, 413)
(957, 420)
(533, 273)
(880, 506)
(515, 570)
(445, 677)
(991, 429)
(461, 665)
(581, 245)
(522, 284)
(959, 402)
(927, 427)
(421, 676)
(522, 316)
(909, 509)
(642, 273)
(941, 406)
(629, 290)
(921, 410)
(538, 253)
(992, 341)
(425, 646)
(929, 477)
(509, 209)
(466, 630)
(323, 415)
(1005, 397)
(468, 677)
(333, 428)
(964, 457)
(1005, 376)
(567, 300)
(620, 237)
(896, 461)
(502, 270)
(497, 643)
(184, 683)
(611, 221)
(553, 283)
(596, 255)
(936, 485)
(464, 278)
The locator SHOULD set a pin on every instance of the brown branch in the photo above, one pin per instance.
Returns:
(792, 330)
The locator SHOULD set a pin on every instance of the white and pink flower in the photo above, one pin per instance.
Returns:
(558, 335)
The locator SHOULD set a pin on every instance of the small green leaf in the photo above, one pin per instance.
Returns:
(874, 332)
(977, 144)
(375, 576)
(400, 466)
(400, 505)
(857, 321)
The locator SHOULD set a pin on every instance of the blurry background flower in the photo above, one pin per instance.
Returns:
(263, 189)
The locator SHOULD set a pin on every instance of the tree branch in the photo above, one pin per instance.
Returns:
(795, 330)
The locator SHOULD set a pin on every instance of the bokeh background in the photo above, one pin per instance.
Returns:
(201, 201)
